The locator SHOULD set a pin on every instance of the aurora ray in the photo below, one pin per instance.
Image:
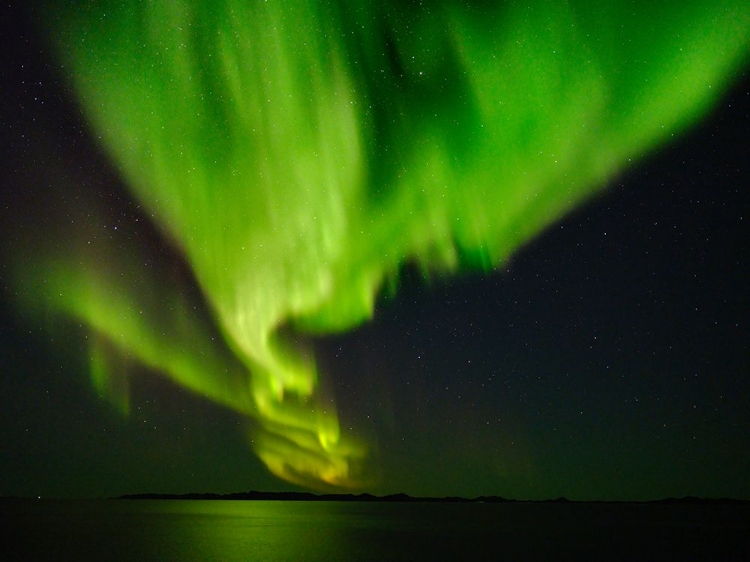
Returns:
(299, 154)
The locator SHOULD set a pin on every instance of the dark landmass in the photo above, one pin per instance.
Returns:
(308, 496)
(304, 496)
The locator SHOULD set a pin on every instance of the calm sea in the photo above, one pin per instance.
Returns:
(227, 531)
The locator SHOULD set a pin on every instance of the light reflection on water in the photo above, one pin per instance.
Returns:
(229, 531)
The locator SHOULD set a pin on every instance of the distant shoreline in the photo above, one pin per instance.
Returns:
(392, 498)
(308, 496)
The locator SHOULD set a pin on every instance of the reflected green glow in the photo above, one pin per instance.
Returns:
(299, 153)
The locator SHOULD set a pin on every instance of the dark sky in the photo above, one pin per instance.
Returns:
(608, 360)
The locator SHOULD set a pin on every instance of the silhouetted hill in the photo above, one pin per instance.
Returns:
(308, 496)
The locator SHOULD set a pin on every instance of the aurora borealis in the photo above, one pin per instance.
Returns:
(299, 164)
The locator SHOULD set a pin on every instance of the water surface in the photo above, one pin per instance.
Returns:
(127, 530)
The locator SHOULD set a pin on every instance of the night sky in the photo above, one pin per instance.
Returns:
(607, 359)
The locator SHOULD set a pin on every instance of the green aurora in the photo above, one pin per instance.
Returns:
(298, 155)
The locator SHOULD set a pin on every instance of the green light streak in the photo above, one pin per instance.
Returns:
(300, 153)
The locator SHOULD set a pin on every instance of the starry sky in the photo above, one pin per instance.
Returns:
(608, 358)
